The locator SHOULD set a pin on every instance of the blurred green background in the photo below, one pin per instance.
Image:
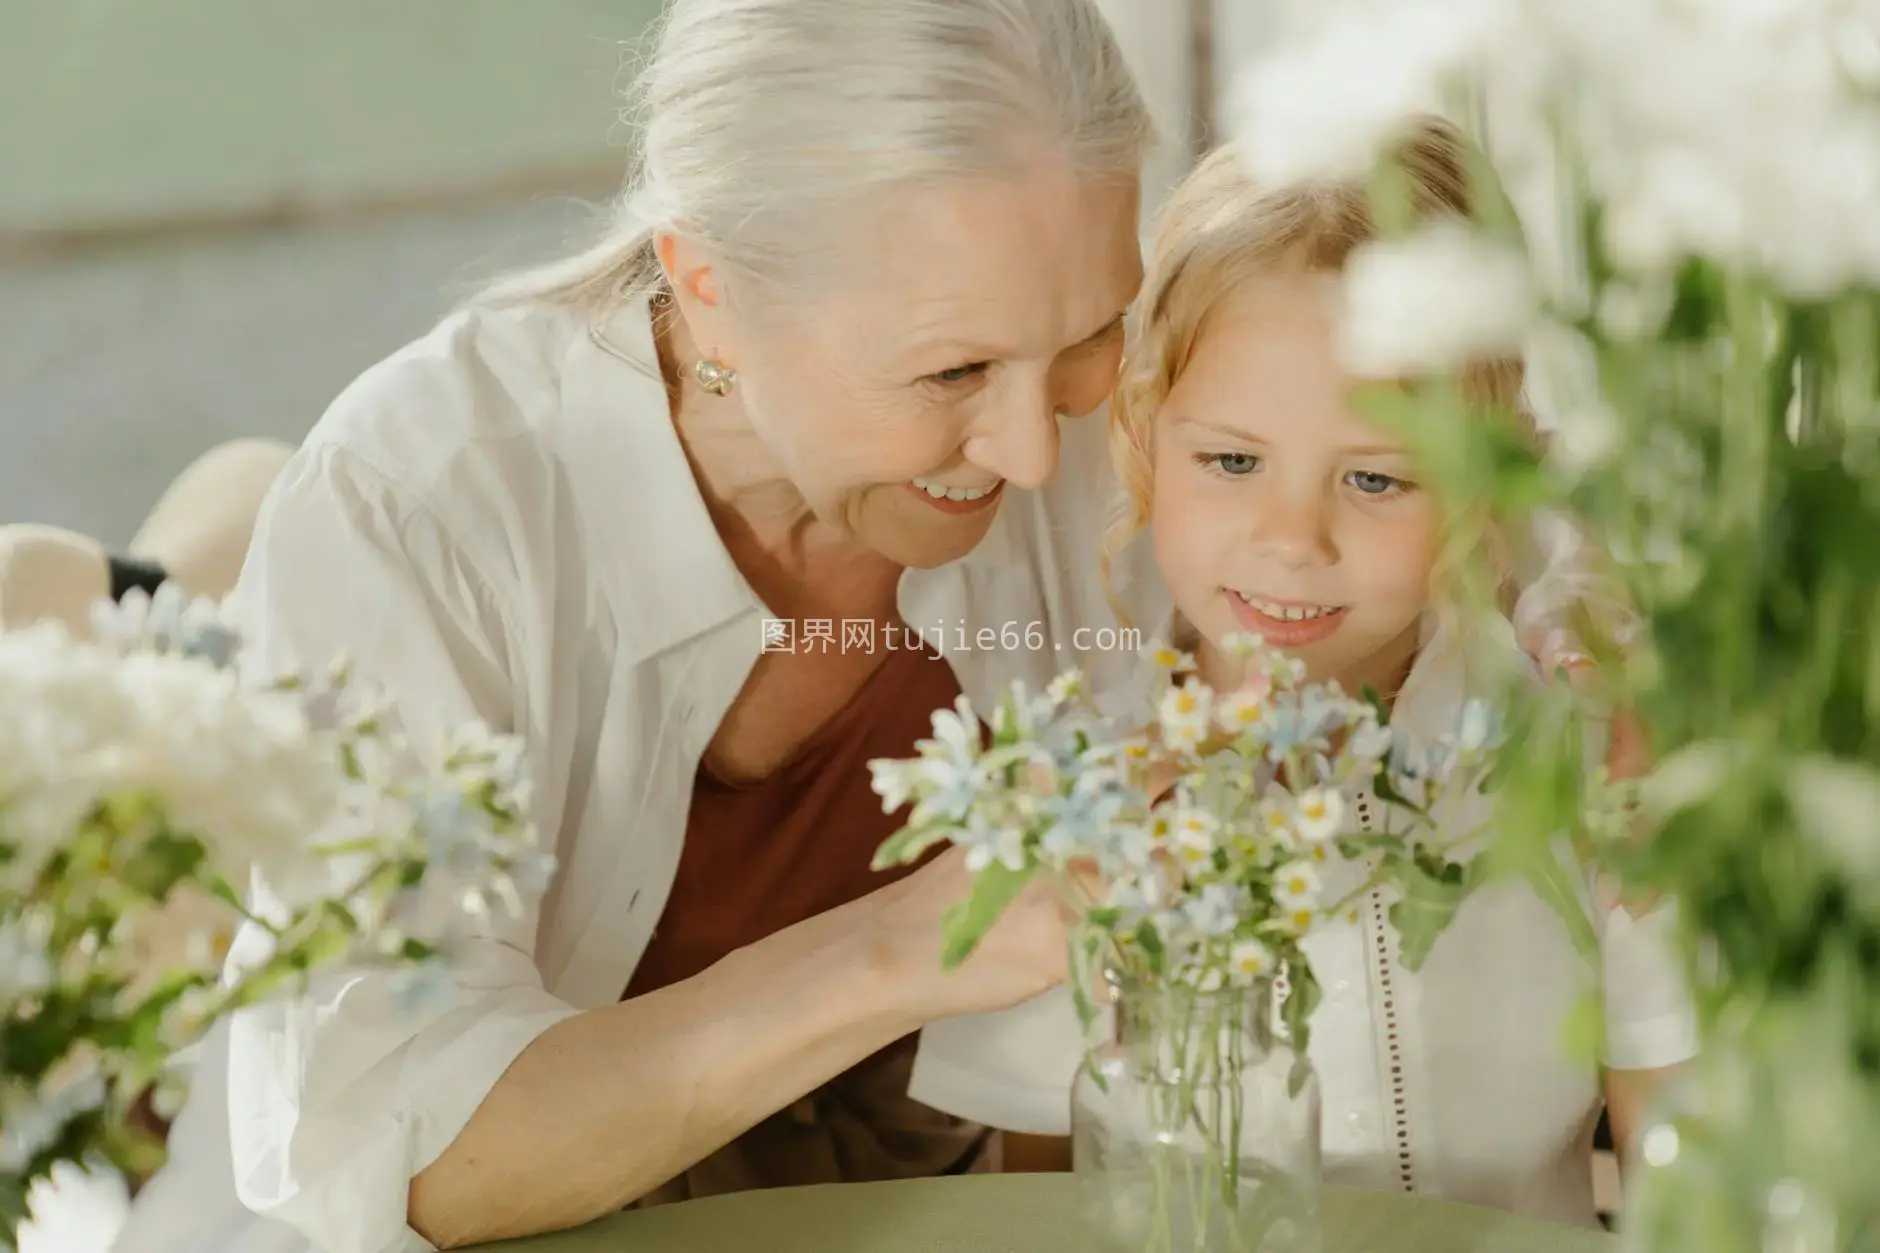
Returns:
(215, 213)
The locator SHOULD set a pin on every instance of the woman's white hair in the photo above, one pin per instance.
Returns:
(763, 126)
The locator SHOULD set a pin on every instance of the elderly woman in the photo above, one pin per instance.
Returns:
(870, 273)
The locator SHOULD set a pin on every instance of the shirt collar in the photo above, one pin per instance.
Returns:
(661, 563)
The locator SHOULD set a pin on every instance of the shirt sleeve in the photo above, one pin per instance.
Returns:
(1012, 1070)
(1651, 1019)
(338, 1097)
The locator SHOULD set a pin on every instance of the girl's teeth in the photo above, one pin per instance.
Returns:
(940, 491)
(1290, 613)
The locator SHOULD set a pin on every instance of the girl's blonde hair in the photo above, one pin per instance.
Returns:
(1219, 232)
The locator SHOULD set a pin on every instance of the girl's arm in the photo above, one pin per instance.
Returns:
(1630, 1096)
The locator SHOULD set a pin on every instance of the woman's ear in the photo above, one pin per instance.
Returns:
(696, 279)
(690, 272)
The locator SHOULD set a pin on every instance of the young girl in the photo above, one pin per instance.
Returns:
(1275, 509)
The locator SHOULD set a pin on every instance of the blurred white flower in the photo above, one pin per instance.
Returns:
(1323, 109)
(1838, 807)
(1435, 300)
(25, 968)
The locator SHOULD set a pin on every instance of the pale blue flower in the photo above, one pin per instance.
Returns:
(425, 988)
(1282, 732)
(1370, 740)
(1216, 909)
(1083, 821)
(1480, 727)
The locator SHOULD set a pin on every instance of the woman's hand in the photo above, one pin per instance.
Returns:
(1024, 954)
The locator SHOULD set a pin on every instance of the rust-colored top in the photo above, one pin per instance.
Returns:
(763, 856)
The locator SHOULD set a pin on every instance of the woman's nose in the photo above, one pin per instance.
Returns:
(1020, 447)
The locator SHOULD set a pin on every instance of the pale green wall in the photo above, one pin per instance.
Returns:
(120, 110)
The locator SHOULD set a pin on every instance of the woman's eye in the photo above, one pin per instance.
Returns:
(959, 373)
(1232, 464)
(1372, 483)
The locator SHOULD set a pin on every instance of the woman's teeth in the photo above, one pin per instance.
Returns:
(1290, 613)
(940, 491)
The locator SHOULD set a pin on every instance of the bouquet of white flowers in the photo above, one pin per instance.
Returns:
(1702, 184)
(141, 778)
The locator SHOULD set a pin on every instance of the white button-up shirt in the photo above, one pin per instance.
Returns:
(1453, 1081)
(499, 522)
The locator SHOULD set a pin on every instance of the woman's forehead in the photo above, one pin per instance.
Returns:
(998, 268)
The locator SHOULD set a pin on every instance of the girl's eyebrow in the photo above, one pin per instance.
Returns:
(1217, 429)
(1245, 437)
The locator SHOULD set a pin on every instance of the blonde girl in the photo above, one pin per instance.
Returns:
(1276, 508)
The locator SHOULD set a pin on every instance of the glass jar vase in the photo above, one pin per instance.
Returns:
(1195, 1129)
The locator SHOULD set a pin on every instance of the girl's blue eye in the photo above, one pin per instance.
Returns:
(1232, 464)
(1373, 484)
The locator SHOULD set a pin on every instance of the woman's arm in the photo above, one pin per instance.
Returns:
(611, 1103)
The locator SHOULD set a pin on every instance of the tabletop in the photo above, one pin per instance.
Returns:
(1014, 1214)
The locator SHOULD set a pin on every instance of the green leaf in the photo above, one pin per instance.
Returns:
(1553, 884)
(965, 924)
(907, 845)
(161, 863)
(1425, 910)
(1584, 1031)
(1388, 793)
(1150, 942)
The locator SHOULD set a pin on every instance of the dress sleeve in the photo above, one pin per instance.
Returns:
(339, 1097)
(1651, 1019)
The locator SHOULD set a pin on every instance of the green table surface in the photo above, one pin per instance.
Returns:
(1013, 1214)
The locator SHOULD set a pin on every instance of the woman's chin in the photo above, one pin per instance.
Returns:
(911, 533)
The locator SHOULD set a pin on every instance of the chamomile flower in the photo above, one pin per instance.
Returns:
(1240, 711)
(1184, 715)
(1250, 959)
(1318, 815)
(1167, 658)
(1296, 885)
(1194, 833)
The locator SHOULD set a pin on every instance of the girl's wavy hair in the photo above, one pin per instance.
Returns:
(1218, 233)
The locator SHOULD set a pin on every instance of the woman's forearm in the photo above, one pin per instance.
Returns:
(608, 1105)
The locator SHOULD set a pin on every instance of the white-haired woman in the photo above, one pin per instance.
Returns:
(709, 514)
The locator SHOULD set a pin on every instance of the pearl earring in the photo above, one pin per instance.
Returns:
(715, 377)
